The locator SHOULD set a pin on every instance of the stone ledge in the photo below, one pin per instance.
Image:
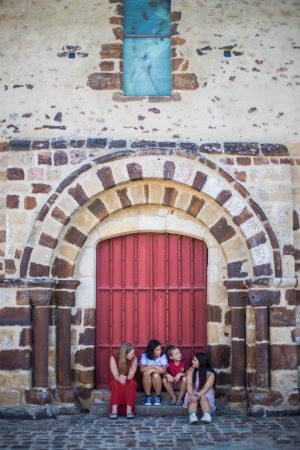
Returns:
(39, 412)
(253, 149)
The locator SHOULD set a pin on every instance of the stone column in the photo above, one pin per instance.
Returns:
(261, 297)
(40, 394)
(65, 300)
(238, 300)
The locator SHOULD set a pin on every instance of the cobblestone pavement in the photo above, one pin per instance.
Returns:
(229, 430)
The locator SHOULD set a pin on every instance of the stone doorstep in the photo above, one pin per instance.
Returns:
(100, 407)
(39, 412)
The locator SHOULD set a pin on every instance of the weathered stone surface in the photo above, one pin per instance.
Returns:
(76, 317)
(105, 81)
(38, 396)
(98, 209)
(87, 337)
(282, 317)
(263, 270)
(169, 170)
(185, 81)
(214, 313)
(85, 377)
(9, 398)
(77, 143)
(10, 266)
(15, 173)
(195, 206)
(274, 150)
(59, 143)
(25, 260)
(169, 197)
(296, 220)
(78, 194)
(62, 268)
(39, 270)
(223, 197)
(261, 324)
(60, 158)
(234, 269)
(262, 376)
(19, 144)
(107, 66)
(199, 181)
(96, 143)
(135, 171)
(124, 199)
(272, 235)
(65, 298)
(75, 237)
(59, 215)
(238, 298)
(264, 297)
(40, 297)
(277, 263)
(266, 397)
(219, 356)
(39, 145)
(25, 337)
(290, 296)
(257, 209)
(89, 317)
(284, 357)
(66, 395)
(41, 188)
(15, 359)
(236, 396)
(293, 399)
(23, 298)
(241, 148)
(48, 241)
(12, 201)
(29, 202)
(106, 177)
(85, 357)
(222, 231)
(257, 239)
(111, 51)
(238, 323)
(15, 316)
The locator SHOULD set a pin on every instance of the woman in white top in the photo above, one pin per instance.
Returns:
(153, 366)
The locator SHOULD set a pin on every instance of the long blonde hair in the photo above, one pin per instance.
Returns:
(125, 348)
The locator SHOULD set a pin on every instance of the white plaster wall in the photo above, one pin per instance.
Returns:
(265, 76)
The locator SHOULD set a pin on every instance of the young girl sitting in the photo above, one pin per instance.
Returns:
(123, 386)
(152, 366)
(200, 388)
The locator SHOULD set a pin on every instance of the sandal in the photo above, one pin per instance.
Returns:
(113, 416)
(130, 416)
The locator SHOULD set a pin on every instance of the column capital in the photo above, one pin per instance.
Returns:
(65, 298)
(40, 297)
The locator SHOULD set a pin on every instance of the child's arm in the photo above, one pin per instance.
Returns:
(208, 385)
(189, 379)
(132, 370)
(147, 369)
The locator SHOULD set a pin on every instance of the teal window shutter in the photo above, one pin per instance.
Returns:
(147, 48)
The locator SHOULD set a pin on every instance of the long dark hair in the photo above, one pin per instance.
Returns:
(151, 347)
(204, 367)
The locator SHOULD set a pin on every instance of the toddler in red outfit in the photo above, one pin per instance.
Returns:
(175, 378)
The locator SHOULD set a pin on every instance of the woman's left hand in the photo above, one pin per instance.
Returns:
(122, 379)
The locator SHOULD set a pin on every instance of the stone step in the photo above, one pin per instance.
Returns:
(100, 403)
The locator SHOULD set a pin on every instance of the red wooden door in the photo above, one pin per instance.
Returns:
(149, 286)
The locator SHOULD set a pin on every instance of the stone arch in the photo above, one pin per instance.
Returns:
(224, 205)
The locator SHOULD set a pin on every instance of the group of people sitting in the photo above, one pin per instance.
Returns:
(188, 387)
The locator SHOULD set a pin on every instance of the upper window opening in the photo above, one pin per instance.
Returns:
(147, 48)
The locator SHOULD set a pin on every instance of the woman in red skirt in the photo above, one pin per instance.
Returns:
(123, 386)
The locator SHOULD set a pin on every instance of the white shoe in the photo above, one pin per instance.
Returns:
(206, 418)
(193, 418)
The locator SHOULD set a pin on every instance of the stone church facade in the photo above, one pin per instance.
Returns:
(81, 163)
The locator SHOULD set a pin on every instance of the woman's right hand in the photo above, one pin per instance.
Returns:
(122, 379)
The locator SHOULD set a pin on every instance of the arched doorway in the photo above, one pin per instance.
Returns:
(149, 285)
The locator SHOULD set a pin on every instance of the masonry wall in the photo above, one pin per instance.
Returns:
(58, 113)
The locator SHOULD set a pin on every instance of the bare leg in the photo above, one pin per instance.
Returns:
(204, 404)
(193, 406)
(169, 388)
(129, 409)
(157, 383)
(147, 384)
(114, 409)
(182, 388)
